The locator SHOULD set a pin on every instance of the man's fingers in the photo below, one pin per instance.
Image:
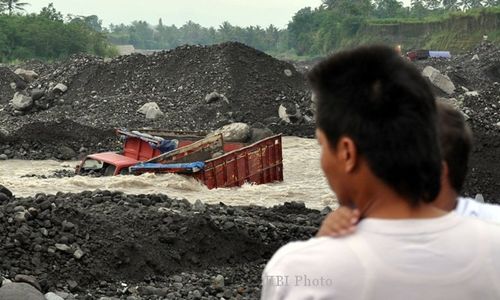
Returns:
(340, 222)
(355, 216)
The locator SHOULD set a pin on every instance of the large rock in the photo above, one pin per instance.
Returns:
(27, 75)
(29, 280)
(451, 101)
(60, 88)
(257, 134)
(151, 110)
(289, 113)
(18, 291)
(218, 282)
(5, 191)
(439, 80)
(214, 96)
(235, 132)
(3, 198)
(66, 153)
(37, 94)
(21, 101)
(53, 296)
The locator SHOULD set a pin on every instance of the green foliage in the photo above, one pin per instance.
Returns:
(91, 22)
(145, 36)
(11, 5)
(389, 9)
(51, 13)
(46, 36)
(310, 33)
(337, 23)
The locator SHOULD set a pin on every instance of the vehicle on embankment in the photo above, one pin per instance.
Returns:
(424, 54)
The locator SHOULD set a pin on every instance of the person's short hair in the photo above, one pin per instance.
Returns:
(455, 137)
(384, 104)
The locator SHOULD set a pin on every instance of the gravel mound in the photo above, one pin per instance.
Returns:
(195, 87)
(6, 78)
(476, 75)
(93, 241)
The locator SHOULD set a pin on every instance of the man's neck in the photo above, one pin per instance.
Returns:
(402, 209)
(447, 198)
(380, 201)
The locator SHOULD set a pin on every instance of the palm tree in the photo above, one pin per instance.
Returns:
(12, 5)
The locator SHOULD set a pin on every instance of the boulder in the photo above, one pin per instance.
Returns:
(21, 216)
(21, 101)
(27, 75)
(439, 80)
(218, 282)
(472, 94)
(5, 191)
(17, 291)
(3, 157)
(63, 248)
(61, 88)
(235, 132)
(288, 72)
(37, 94)
(451, 101)
(214, 96)
(282, 114)
(3, 198)
(29, 280)
(78, 254)
(53, 296)
(66, 153)
(271, 120)
(314, 103)
(289, 113)
(151, 110)
(257, 134)
(466, 116)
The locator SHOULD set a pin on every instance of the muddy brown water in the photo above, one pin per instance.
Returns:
(303, 182)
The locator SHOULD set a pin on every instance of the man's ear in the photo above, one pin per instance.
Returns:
(348, 152)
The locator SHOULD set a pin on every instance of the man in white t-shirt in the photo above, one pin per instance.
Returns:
(455, 139)
(472, 208)
(456, 142)
(376, 120)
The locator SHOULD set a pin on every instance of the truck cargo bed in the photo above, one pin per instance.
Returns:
(258, 163)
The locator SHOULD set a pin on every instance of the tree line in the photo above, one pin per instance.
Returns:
(310, 32)
(145, 36)
(49, 35)
(319, 31)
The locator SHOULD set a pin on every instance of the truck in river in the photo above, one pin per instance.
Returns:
(209, 159)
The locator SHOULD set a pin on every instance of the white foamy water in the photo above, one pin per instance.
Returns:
(303, 181)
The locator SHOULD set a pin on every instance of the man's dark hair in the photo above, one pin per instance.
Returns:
(383, 103)
(455, 138)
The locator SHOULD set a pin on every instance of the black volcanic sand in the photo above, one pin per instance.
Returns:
(146, 241)
(103, 95)
(483, 76)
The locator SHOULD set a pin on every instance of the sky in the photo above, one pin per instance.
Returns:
(204, 12)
